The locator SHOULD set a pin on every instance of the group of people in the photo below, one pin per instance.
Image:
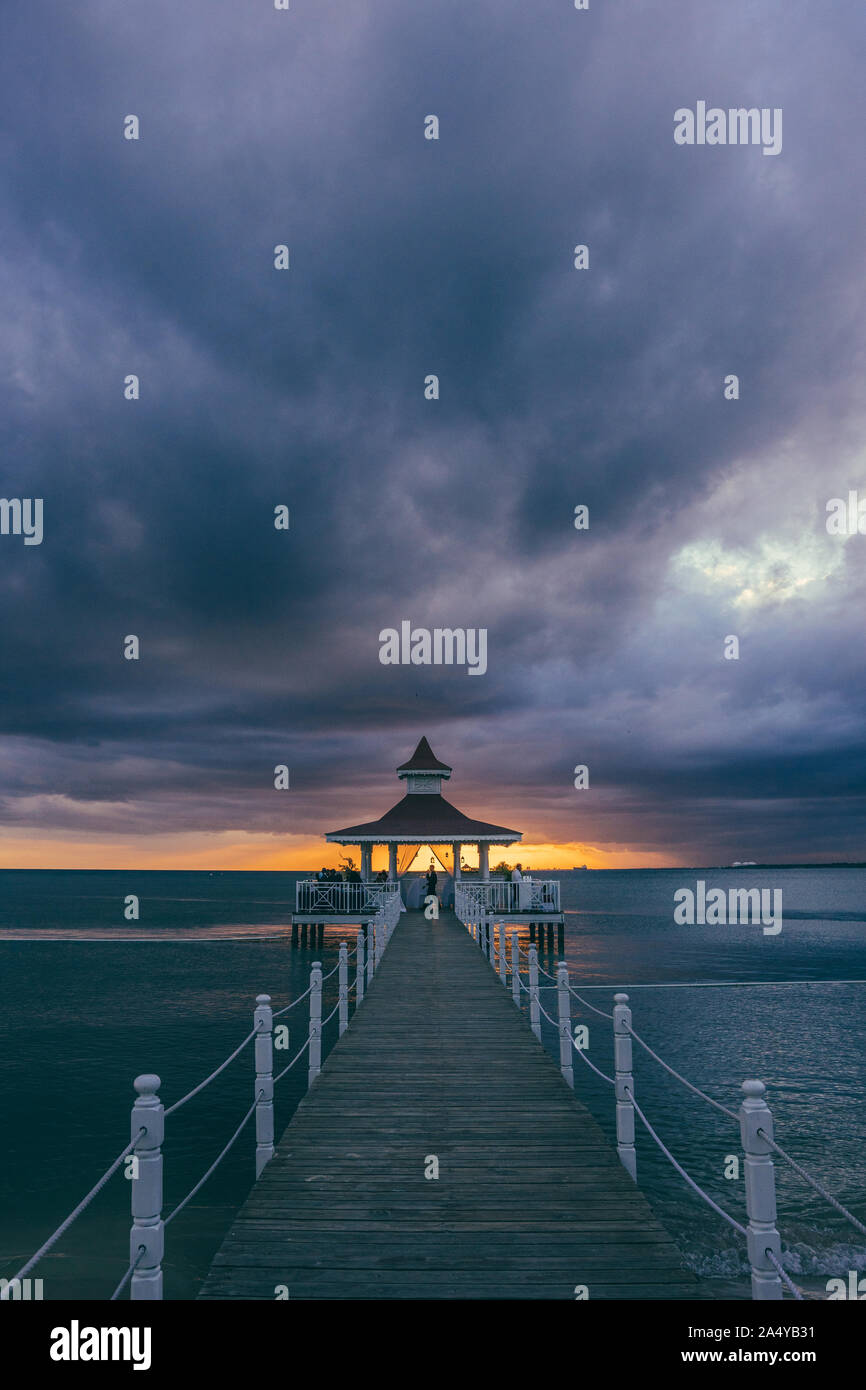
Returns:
(347, 876)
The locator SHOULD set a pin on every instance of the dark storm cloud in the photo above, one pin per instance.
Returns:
(558, 387)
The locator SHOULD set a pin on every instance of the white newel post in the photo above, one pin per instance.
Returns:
(343, 984)
(146, 1195)
(359, 970)
(491, 942)
(371, 951)
(263, 1022)
(503, 963)
(379, 939)
(392, 863)
(515, 968)
(563, 999)
(456, 849)
(624, 1085)
(534, 1015)
(315, 1051)
(760, 1177)
(366, 861)
(483, 862)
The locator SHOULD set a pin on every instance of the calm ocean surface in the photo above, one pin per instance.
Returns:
(88, 1001)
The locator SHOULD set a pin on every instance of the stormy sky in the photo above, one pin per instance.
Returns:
(306, 387)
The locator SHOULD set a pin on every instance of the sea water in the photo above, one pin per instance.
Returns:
(89, 1000)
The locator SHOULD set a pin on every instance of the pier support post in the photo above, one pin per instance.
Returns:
(294, 933)
(515, 968)
(560, 938)
(563, 999)
(503, 967)
(624, 1085)
(315, 1049)
(532, 931)
(359, 970)
(534, 1015)
(263, 1023)
(343, 984)
(146, 1191)
(756, 1127)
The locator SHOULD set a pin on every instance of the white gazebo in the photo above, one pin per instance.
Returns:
(423, 817)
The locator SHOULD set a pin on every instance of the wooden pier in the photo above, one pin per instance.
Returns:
(439, 1071)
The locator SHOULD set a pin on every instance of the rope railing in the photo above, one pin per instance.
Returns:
(142, 1251)
(279, 1012)
(698, 1092)
(298, 1054)
(784, 1276)
(208, 1079)
(813, 1182)
(586, 1004)
(681, 1170)
(73, 1215)
(144, 1150)
(217, 1161)
(768, 1276)
(582, 1054)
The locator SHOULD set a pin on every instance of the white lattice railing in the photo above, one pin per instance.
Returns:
(333, 898)
(537, 895)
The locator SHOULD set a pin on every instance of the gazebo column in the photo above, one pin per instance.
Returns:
(392, 862)
(483, 860)
(456, 849)
(366, 862)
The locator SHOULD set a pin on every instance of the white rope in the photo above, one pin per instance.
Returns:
(293, 1061)
(142, 1250)
(586, 1004)
(64, 1225)
(554, 1021)
(209, 1079)
(201, 1182)
(783, 1276)
(732, 1115)
(331, 1014)
(280, 1012)
(682, 1172)
(331, 972)
(813, 1182)
(580, 1052)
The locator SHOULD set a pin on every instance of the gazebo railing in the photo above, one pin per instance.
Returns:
(537, 895)
(333, 898)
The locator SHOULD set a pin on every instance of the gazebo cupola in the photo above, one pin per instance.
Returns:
(423, 773)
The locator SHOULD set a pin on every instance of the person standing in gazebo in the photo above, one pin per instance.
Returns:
(432, 880)
(516, 879)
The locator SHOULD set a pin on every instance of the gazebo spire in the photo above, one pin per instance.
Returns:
(424, 772)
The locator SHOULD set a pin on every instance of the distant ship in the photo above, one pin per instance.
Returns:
(577, 868)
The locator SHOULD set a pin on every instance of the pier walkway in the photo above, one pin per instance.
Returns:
(439, 1068)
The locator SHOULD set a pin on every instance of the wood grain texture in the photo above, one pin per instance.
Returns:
(531, 1199)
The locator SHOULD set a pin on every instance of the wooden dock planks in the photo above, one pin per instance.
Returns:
(531, 1199)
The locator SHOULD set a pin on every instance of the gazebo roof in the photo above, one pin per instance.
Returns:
(423, 816)
(424, 820)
